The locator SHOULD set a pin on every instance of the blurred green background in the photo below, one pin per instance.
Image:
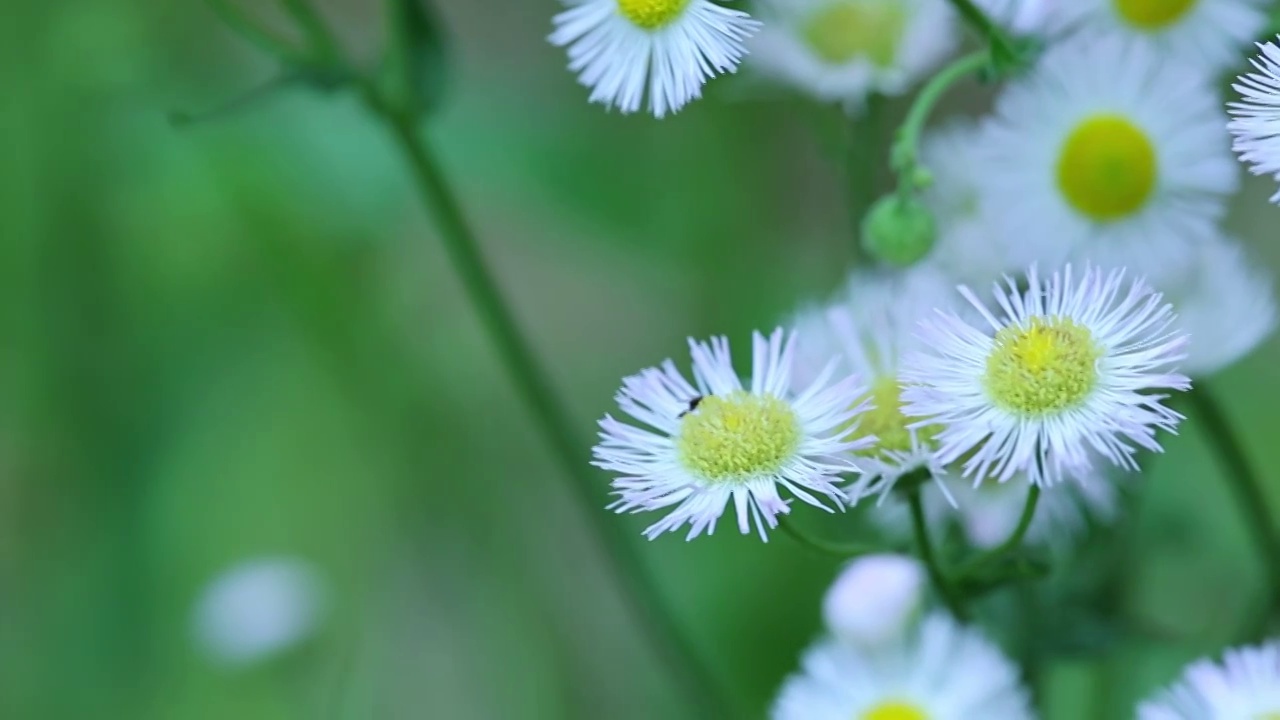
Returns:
(243, 339)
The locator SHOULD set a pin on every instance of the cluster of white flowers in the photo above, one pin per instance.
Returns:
(1078, 275)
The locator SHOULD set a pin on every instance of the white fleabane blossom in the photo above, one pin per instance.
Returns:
(1206, 33)
(1227, 307)
(1073, 364)
(1110, 154)
(843, 50)
(257, 609)
(970, 246)
(942, 671)
(874, 600)
(1255, 121)
(625, 50)
(870, 327)
(716, 441)
(1245, 685)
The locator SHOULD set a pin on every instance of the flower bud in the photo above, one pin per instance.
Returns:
(874, 599)
(899, 230)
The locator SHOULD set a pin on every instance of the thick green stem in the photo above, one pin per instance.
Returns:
(906, 144)
(950, 597)
(1011, 543)
(1247, 486)
(827, 547)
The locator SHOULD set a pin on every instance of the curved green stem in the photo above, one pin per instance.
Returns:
(1010, 543)
(950, 597)
(827, 547)
(906, 145)
(1248, 489)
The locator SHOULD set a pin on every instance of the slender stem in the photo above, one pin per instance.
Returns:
(1248, 488)
(984, 25)
(235, 19)
(860, 164)
(314, 27)
(925, 547)
(906, 144)
(553, 419)
(1010, 543)
(828, 547)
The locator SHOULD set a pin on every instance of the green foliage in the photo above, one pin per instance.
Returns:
(415, 66)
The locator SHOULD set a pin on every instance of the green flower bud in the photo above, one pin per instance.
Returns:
(899, 230)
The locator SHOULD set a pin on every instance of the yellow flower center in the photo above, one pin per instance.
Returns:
(886, 421)
(651, 14)
(848, 29)
(738, 436)
(1153, 14)
(895, 710)
(1107, 167)
(1048, 366)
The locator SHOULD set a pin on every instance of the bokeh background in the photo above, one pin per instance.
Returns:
(243, 339)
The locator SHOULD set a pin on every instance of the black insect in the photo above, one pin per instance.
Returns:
(693, 405)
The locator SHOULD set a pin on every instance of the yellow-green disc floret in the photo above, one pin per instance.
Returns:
(849, 29)
(1153, 14)
(652, 14)
(886, 422)
(895, 710)
(738, 436)
(1043, 367)
(1107, 167)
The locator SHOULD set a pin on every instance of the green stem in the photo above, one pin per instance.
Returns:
(981, 22)
(924, 545)
(1248, 488)
(1010, 543)
(906, 145)
(235, 19)
(860, 165)
(554, 420)
(315, 28)
(827, 547)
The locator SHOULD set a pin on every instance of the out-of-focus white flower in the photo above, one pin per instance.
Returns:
(943, 671)
(720, 442)
(1245, 685)
(1023, 16)
(1109, 154)
(869, 328)
(1226, 307)
(1255, 121)
(1072, 365)
(844, 50)
(258, 608)
(666, 49)
(874, 600)
(1207, 33)
(971, 245)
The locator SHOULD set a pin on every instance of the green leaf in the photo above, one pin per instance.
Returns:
(415, 66)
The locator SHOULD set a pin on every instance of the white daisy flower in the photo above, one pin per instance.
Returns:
(1226, 306)
(943, 671)
(1245, 685)
(667, 49)
(874, 600)
(1255, 121)
(1205, 33)
(844, 50)
(1108, 153)
(970, 246)
(717, 441)
(870, 328)
(1068, 368)
(257, 609)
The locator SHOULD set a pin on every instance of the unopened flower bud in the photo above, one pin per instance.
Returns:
(874, 599)
(899, 230)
